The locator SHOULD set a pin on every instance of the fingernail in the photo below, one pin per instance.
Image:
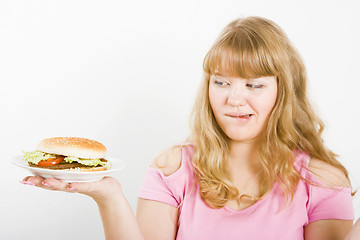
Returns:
(46, 184)
(70, 187)
(27, 183)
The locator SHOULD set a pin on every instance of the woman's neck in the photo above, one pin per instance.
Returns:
(243, 166)
(244, 156)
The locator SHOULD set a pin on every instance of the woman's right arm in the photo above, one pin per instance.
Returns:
(154, 220)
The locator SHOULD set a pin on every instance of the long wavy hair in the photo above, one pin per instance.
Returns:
(249, 48)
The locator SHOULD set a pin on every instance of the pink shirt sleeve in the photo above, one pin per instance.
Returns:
(329, 203)
(157, 187)
(324, 202)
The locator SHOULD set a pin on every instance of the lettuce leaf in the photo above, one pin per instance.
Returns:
(36, 156)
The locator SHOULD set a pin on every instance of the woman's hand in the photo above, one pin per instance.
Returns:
(105, 190)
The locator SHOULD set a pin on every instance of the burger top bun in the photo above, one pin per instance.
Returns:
(73, 146)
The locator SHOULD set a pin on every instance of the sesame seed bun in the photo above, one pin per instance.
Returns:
(73, 146)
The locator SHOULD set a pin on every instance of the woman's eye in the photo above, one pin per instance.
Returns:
(220, 83)
(254, 85)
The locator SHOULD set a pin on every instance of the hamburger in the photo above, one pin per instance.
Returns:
(68, 153)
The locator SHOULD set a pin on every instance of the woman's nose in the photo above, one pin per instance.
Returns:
(237, 96)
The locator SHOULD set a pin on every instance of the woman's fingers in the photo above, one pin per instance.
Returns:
(32, 180)
(103, 190)
(55, 184)
(48, 183)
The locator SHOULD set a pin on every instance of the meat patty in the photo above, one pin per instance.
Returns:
(65, 165)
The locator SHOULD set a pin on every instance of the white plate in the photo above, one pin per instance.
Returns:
(68, 176)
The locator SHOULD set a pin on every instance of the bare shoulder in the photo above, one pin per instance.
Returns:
(168, 161)
(328, 174)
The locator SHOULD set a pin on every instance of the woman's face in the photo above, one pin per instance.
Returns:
(242, 106)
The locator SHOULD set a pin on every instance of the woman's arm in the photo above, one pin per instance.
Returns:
(354, 234)
(329, 229)
(156, 215)
(333, 229)
(117, 217)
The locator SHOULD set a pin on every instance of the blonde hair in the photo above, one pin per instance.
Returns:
(249, 48)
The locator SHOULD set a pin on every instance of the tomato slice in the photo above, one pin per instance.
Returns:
(50, 161)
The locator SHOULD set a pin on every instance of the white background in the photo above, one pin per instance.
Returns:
(125, 73)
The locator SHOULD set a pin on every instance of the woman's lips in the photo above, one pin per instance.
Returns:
(242, 116)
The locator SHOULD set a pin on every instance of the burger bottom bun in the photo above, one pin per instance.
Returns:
(84, 169)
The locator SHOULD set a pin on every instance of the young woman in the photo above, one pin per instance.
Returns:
(255, 166)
